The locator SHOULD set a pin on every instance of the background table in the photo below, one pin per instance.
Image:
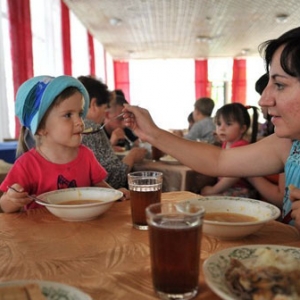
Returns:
(105, 257)
(8, 151)
(177, 177)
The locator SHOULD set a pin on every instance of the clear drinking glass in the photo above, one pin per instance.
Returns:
(145, 189)
(175, 231)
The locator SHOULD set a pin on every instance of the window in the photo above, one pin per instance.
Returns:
(46, 37)
(79, 48)
(7, 107)
(166, 88)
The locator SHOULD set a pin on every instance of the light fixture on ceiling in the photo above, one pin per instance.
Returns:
(203, 39)
(131, 53)
(115, 21)
(245, 51)
(281, 18)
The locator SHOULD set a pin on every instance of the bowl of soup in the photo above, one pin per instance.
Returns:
(79, 204)
(234, 217)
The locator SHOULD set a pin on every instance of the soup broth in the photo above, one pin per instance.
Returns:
(228, 217)
(77, 202)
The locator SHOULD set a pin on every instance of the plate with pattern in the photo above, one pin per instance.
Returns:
(215, 266)
(52, 290)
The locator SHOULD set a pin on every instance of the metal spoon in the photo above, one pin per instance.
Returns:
(29, 196)
(91, 130)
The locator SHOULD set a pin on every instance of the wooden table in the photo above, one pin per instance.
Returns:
(177, 177)
(105, 257)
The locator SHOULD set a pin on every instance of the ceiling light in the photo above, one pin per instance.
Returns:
(245, 51)
(203, 39)
(115, 21)
(282, 18)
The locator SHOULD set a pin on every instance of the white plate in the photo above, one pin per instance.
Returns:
(53, 290)
(169, 159)
(215, 266)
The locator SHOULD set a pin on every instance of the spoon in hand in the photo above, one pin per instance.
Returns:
(91, 130)
(29, 196)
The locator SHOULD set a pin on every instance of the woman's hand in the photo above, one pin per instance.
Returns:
(140, 121)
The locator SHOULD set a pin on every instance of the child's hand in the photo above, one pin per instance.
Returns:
(12, 201)
(126, 194)
(295, 197)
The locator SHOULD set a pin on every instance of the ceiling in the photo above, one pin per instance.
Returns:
(156, 29)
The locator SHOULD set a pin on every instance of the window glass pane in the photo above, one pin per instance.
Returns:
(7, 107)
(79, 46)
(99, 60)
(166, 88)
(46, 37)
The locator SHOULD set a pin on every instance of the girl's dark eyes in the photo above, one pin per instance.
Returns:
(69, 115)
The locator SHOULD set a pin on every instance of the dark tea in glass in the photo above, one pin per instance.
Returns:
(175, 237)
(145, 189)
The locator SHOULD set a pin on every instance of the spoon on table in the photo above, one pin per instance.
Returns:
(91, 130)
(29, 196)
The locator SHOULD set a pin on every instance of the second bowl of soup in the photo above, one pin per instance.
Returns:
(235, 217)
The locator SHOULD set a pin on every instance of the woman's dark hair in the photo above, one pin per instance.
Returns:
(96, 89)
(290, 56)
(237, 112)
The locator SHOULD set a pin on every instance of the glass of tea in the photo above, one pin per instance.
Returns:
(175, 231)
(145, 189)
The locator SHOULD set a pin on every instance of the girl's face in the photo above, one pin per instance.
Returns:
(64, 123)
(282, 99)
(230, 131)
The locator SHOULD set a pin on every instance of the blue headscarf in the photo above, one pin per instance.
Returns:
(35, 96)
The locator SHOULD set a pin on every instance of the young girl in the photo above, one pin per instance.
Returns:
(51, 110)
(232, 123)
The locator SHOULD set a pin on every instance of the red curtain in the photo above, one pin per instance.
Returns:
(239, 81)
(91, 55)
(21, 44)
(66, 38)
(121, 73)
(202, 85)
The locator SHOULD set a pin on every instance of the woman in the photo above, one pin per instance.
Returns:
(274, 154)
